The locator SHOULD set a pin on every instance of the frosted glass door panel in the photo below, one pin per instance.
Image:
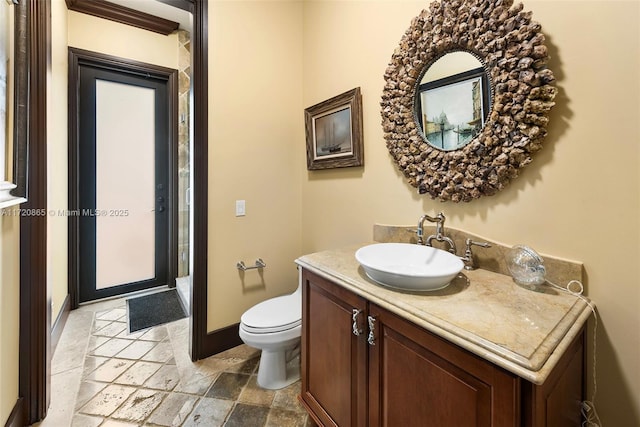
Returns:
(125, 184)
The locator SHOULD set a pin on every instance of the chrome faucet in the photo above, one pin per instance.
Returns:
(469, 263)
(439, 236)
(420, 230)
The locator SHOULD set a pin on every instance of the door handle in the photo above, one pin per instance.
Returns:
(355, 327)
(371, 338)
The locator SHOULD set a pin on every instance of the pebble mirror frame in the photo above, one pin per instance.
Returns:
(512, 50)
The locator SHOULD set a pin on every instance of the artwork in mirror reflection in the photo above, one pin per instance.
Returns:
(452, 105)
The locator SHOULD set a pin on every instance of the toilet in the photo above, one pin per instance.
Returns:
(274, 326)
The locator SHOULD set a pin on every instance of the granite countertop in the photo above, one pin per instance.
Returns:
(485, 312)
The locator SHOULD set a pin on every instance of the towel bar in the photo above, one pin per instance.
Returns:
(240, 265)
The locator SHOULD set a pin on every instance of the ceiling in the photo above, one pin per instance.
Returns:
(162, 10)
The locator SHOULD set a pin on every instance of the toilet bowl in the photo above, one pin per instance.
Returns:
(274, 326)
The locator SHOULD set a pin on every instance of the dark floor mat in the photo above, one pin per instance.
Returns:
(154, 309)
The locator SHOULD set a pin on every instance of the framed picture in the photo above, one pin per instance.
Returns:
(452, 110)
(334, 132)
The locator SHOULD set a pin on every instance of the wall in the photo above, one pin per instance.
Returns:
(100, 35)
(57, 204)
(255, 138)
(9, 279)
(579, 199)
(9, 310)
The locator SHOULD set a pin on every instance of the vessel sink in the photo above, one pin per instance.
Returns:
(409, 267)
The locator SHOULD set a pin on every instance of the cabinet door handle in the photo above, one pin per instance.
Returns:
(355, 327)
(371, 339)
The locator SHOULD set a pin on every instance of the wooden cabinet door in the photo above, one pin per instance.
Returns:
(557, 402)
(418, 379)
(333, 358)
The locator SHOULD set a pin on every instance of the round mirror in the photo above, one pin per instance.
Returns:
(512, 51)
(452, 101)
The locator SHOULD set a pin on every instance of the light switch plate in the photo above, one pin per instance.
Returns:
(241, 208)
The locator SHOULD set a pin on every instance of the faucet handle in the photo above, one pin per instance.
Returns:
(468, 254)
(470, 243)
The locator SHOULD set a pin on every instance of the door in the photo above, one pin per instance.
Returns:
(124, 182)
(334, 362)
(419, 379)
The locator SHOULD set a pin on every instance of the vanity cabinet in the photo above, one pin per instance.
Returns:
(362, 365)
(333, 359)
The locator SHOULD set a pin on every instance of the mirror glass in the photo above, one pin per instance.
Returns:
(452, 101)
(5, 62)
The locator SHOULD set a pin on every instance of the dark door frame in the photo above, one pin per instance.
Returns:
(200, 179)
(35, 301)
(79, 58)
(33, 34)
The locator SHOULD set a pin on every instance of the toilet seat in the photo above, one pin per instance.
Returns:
(273, 315)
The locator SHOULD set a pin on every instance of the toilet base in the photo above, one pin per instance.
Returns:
(275, 372)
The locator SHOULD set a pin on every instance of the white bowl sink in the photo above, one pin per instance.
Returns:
(409, 267)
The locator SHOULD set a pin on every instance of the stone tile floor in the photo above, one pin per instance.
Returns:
(104, 376)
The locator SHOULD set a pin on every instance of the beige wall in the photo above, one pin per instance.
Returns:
(57, 160)
(579, 199)
(100, 35)
(9, 282)
(255, 138)
(9, 310)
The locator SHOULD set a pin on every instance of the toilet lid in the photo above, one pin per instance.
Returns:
(273, 315)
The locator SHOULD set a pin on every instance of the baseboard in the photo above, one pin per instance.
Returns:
(16, 418)
(58, 325)
(221, 340)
